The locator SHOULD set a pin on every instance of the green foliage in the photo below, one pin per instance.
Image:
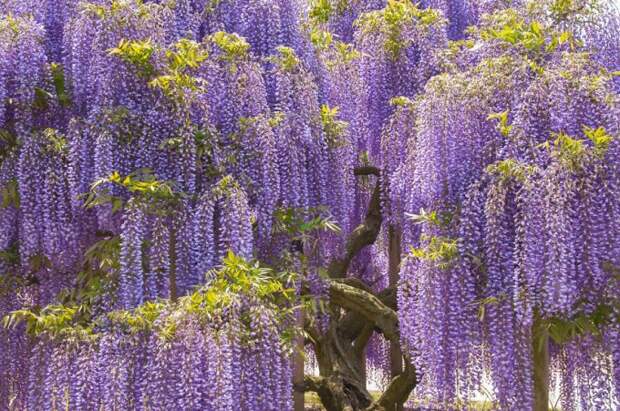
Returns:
(10, 255)
(55, 142)
(53, 321)
(100, 267)
(302, 224)
(511, 169)
(333, 128)
(562, 330)
(391, 20)
(321, 39)
(137, 53)
(58, 78)
(42, 97)
(439, 219)
(141, 183)
(401, 101)
(9, 194)
(511, 28)
(286, 59)
(572, 152)
(233, 47)
(482, 304)
(503, 127)
(235, 282)
(438, 250)
(8, 143)
(320, 11)
(276, 118)
(8, 22)
(177, 79)
(599, 138)
(140, 319)
(114, 8)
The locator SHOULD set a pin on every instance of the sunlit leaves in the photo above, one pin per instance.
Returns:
(301, 224)
(502, 119)
(232, 45)
(137, 53)
(177, 78)
(391, 21)
(142, 183)
(438, 219)
(511, 169)
(286, 59)
(52, 320)
(333, 127)
(535, 36)
(438, 250)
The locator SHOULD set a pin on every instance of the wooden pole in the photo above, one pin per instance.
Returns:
(540, 358)
(298, 368)
(396, 356)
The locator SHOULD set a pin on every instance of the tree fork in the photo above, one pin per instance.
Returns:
(341, 384)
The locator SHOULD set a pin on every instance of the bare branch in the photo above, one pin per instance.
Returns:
(365, 234)
(367, 170)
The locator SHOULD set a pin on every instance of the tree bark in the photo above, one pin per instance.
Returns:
(396, 356)
(298, 367)
(356, 312)
(540, 356)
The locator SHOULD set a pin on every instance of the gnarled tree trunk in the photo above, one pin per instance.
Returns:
(356, 312)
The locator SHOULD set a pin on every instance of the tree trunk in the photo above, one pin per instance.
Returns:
(541, 367)
(396, 356)
(298, 367)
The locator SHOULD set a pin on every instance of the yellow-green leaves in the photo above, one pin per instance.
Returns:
(401, 101)
(286, 59)
(571, 152)
(599, 138)
(140, 319)
(438, 250)
(320, 11)
(391, 20)
(138, 53)
(177, 78)
(233, 46)
(511, 169)
(533, 37)
(503, 127)
(321, 39)
(52, 320)
(438, 219)
(142, 183)
(9, 194)
(333, 128)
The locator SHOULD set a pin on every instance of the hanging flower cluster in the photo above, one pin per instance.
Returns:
(514, 157)
(150, 147)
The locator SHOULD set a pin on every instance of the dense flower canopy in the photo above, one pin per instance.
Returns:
(177, 176)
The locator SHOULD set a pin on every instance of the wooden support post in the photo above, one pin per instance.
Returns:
(540, 358)
(298, 367)
(396, 356)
